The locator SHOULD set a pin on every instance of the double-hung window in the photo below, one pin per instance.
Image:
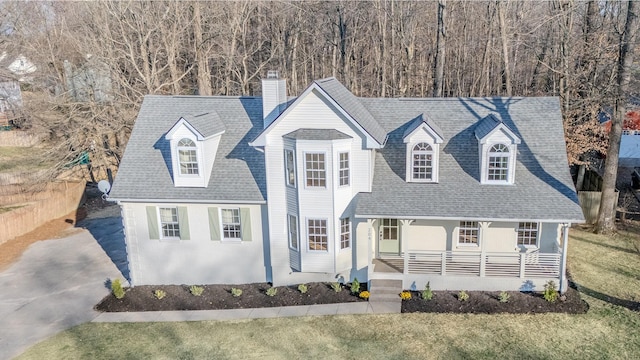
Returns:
(231, 224)
(293, 232)
(290, 167)
(315, 169)
(422, 162)
(528, 234)
(169, 222)
(498, 169)
(345, 233)
(344, 168)
(317, 232)
(187, 157)
(468, 233)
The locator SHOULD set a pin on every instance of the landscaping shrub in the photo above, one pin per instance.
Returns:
(550, 294)
(336, 286)
(116, 289)
(355, 286)
(303, 288)
(365, 295)
(272, 291)
(236, 292)
(504, 297)
(159, 294)
(196, 290)
(427, 294)
(463, 296)
(405, 295)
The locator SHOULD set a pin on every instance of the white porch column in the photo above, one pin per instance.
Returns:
(371, 247)
(404, 239)
(563, 260)
(483, 226)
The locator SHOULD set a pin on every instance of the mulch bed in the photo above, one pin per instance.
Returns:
(483, 302)
(141, 298)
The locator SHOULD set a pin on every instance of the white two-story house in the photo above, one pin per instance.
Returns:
(466, 193)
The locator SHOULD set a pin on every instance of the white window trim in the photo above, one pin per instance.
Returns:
(435, 162)
(188, 148)
(222, 237)
(340, 169)
(295, 219)
(511, 163)
(465, 245)
(160, 229)
(343, 233)
(307, 243)
(538, 230)
(326, 179)
(286, 169)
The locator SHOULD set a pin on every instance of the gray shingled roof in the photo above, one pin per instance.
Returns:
(317, 134)
(238, 170)
(422, 119)
(207, 123)
(543, 189)
(352, 105)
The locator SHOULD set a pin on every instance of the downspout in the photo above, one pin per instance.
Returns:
(563, 262)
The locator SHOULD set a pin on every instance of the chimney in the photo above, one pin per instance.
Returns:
(274, 97)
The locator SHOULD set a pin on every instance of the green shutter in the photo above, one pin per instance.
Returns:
(152, 222)
(183, 222)
(214, 224)
(245, 223)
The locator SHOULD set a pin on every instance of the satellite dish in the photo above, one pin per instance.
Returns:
(104, 186)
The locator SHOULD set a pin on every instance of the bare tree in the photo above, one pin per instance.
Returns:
(441, 43)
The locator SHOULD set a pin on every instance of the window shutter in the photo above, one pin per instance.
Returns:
(183, 222)
(152, 222)
(245, 223)
(214, 224)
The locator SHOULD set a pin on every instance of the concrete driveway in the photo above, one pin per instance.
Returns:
(56, 283)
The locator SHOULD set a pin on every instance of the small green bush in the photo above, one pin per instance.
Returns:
(336, 286)
(236, 292)
(427, 294)
(463, 296)
(159, 294)
(504, 297)
(303, 288)
(272, 291)
(116, 289)
(355, 286)
(550, 294)
(196, 290)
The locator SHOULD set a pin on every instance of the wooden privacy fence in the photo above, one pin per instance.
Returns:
(59, 199)
(590, 203)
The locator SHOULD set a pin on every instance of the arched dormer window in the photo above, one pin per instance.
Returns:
(498, 163)
(422, 162)
(187, 157)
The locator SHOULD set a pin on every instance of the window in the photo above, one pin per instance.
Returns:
(187, 157)
(345, 233)
(498, 163)
(389, 229)
(422, 163)
(344, 168)
(528, 234)
(169, 222)
(290, 167)
(231, 224)
(468, 233)
(293, 232)
(315, 169)
(317, 230)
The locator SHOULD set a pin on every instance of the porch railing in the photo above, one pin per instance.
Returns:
(529, 265)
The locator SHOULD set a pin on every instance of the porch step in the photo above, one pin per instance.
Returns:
(385, 295)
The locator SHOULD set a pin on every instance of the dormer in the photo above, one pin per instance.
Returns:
(194, 141)
(497, 146)
(422, 138)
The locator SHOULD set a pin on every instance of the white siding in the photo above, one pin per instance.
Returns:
(198, 260)
(429, 235)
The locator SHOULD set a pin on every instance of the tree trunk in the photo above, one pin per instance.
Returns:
(505, 49)
(204, 73)
(606, 214)
(440, 51)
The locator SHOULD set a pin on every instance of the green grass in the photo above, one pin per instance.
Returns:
(19, 159)
(607, 266)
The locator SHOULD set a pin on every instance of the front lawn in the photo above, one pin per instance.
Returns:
(607, 268)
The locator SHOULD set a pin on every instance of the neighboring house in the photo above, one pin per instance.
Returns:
(10, 99)
(90, 81)
(467, 193)
(20, 67)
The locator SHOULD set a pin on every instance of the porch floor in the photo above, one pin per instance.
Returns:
(389, 265)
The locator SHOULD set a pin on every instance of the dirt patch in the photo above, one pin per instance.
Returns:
(11, 250)
(178, 297)
(481, 302)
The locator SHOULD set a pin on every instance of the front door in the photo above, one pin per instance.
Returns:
(388, 238)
